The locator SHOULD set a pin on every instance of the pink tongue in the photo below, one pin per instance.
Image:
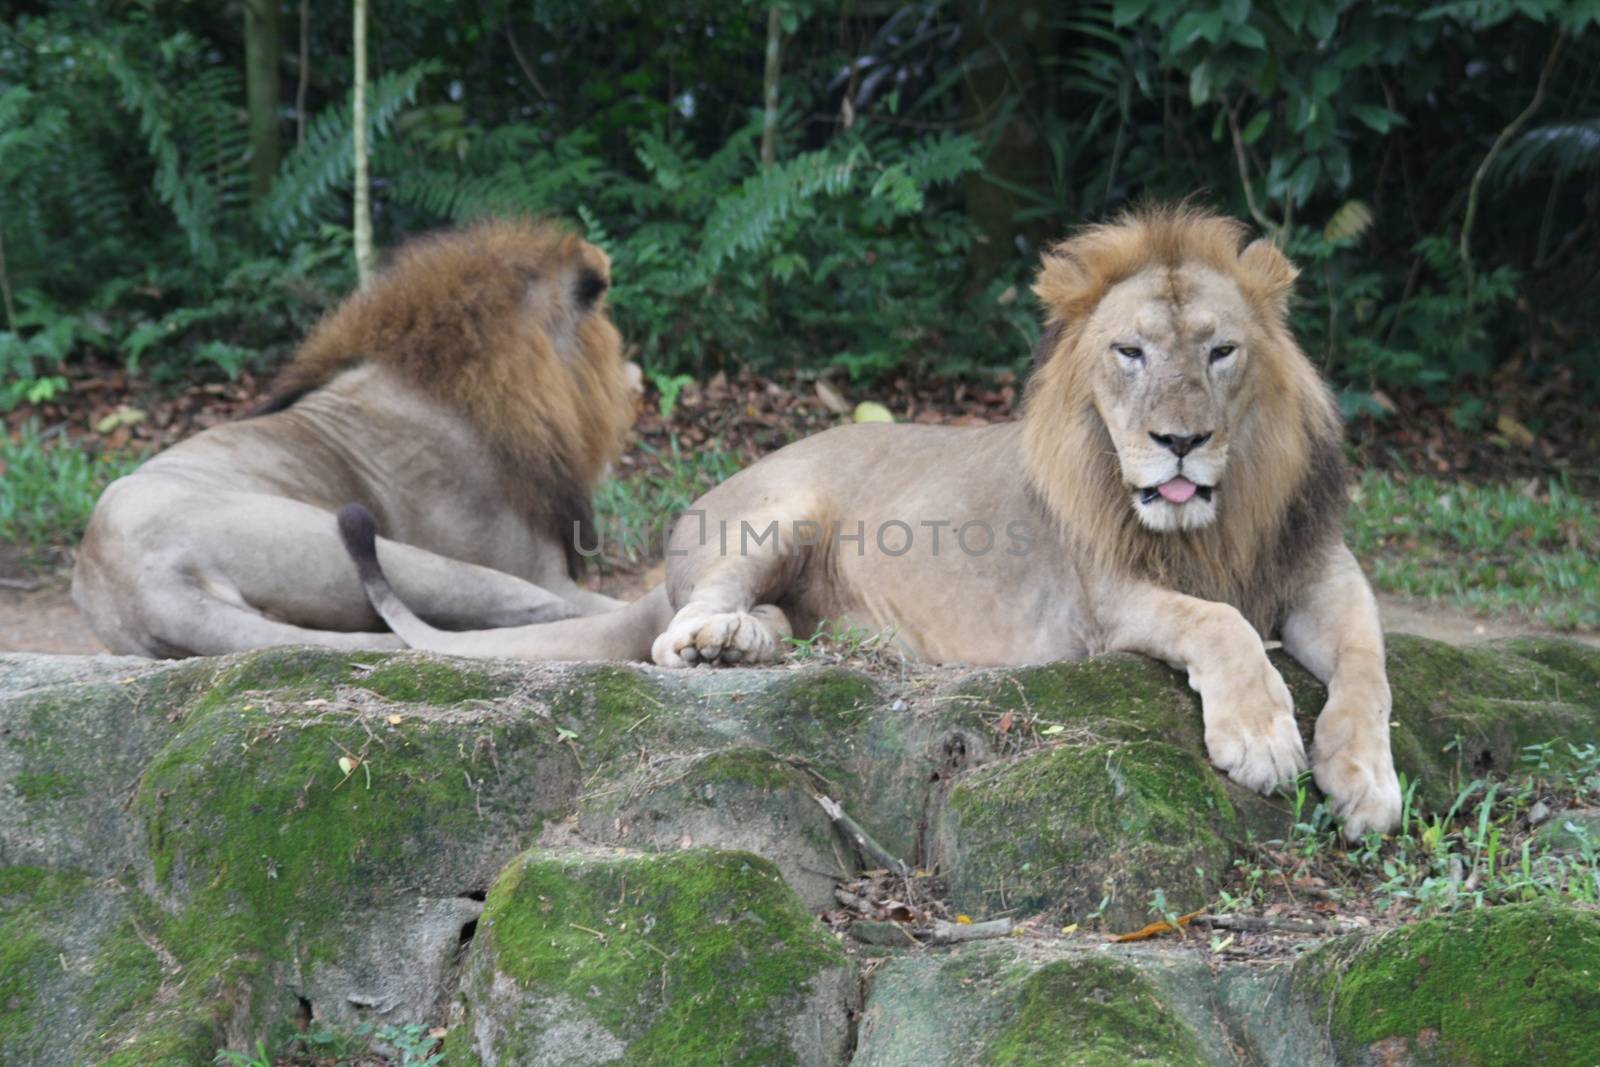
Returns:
(1176, 491)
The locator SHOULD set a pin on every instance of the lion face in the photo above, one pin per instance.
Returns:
(1171, 347)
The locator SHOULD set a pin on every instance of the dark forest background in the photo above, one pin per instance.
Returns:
(176, 177)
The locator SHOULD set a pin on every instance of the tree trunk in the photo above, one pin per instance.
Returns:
(769, 125)
(363, 200)
(261, 52)
(995, 50)
(305, 73)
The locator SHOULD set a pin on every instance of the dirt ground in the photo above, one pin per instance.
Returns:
(45, 620)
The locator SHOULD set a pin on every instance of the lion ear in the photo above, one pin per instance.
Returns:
(1061, 284)
(1269, 272)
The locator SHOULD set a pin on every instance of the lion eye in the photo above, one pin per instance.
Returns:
(1130, 351)
(1222, 352)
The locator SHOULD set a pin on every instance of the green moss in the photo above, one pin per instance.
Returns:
(415, 680)
(1463, 713)
(692, 957)
(81, 981)
(1069, 826)
(755, 767)
(412, 678)
(1512, 984)
(836, 698)
(1119, 697)
(1090, 1011)
(1580, 663)
(48, 785)
(271, 841)
(27, 895)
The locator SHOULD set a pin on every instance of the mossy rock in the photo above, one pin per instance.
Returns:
(85, 978)
(1032, 1003)
(1518, 983)
(694, 957)
(1119, 697)
(188, 840)
(744, 798)
(1469, 712)
(322, 840)
(1075, 827)
(1571, 830)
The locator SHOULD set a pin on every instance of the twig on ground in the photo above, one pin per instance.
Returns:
(1257, 924)
(863, 840)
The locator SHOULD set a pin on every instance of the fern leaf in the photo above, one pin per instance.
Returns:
(323, 164)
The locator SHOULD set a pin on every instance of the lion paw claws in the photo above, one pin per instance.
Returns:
(1365, 793)
(722, 638)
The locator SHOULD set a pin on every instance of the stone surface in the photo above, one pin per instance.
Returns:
(695, 956)
(199, 855)
(1513, 984)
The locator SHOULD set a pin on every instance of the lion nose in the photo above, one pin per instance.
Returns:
(1180, 444)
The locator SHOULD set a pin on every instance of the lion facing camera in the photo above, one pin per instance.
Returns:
(1175, 487)
(471, 397)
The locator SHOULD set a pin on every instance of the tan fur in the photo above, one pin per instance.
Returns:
(469, 377)
(1161, 325)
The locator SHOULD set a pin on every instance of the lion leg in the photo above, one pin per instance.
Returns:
(1250, 730)
(286, 560)
(724, 620)
(254, 570)
(205, 626)
(1335, 632)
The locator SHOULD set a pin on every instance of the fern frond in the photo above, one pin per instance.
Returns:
(1556, 148)
(745, 219)
(323, 163)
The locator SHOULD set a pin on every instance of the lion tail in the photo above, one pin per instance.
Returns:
(623, 634)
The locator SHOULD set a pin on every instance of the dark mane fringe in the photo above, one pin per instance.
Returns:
(1260, 580)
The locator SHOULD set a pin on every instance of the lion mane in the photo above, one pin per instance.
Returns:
(1286, 461)
(449, 315)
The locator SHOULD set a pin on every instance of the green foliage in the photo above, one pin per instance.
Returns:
(1478, 851)
(258, 1058)
(1349, 131)
(1531, 550)
(323, 164)
(48, 488)
(634, 512)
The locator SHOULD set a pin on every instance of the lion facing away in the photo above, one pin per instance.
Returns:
(471, 396)
(1175, 487)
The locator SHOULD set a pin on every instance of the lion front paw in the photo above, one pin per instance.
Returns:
(721, 637)
(1363, 788)
(1252, 735)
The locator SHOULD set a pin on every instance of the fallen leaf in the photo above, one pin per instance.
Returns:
(832, 399)
(395, 720)
(346, 764)
(1004, 725)
(1070, 928)
(1514, 431)
(964, 920)
(872, 411)
(1055, 728)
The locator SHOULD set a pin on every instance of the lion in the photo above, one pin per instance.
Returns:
(472, 396)
(1174, 487)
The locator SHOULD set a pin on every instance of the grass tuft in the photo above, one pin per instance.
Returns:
(1528, 550)
(48, 489)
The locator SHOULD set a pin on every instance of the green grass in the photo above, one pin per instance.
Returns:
(1488, 549)
(48, 489)
(1480, 851)
(634, 512)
